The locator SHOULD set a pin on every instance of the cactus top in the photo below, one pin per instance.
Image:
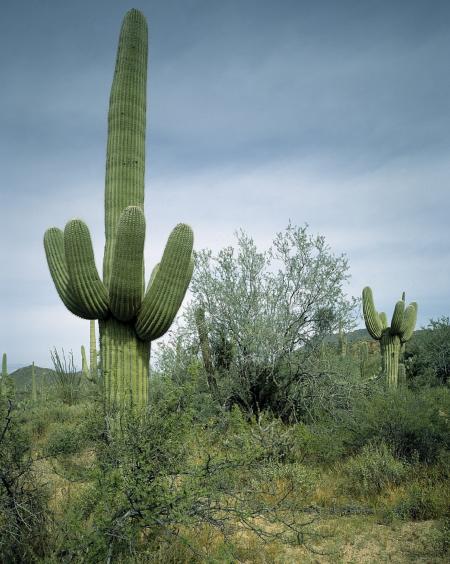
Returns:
(402, 323)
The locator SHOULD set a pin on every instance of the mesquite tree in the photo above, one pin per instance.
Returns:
(129, 317)
(273, 307)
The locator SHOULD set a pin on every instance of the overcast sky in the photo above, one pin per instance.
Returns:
(334, 113)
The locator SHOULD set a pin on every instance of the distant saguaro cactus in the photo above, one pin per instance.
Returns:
(363, 358)
(391, 338)
(129, 317)
(33, 384)
(4, 378)
(342, 342)
(84, 363)
(205, 347)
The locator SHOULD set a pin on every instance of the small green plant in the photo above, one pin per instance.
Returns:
(67, 378)
(423, 500)
(372, 470)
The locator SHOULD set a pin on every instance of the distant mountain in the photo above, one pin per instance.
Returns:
(353, 336)
(22, 377)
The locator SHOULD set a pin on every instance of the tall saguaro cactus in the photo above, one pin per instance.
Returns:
(129, 317)
(391, 337)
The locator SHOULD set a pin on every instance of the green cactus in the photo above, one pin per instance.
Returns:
(129, 318)
(391, 338)
(363, 358)
(342, 342)
(205, 348)
(93, 351)
(84, 363)
(4, 378)
(33, 384)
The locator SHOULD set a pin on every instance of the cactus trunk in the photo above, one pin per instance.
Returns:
(93, 351)
(125, 365)
(390, 353)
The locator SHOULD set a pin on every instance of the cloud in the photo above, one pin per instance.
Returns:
(334, 114)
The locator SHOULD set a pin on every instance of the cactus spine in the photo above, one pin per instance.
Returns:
(129, 318)
(391, 338)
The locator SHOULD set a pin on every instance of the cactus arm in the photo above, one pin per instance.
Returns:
(125, 289)
(189, 273)
(88, 288)
(397, 317)
(152, 276)
(371, 317)
(169, 286)
(125, 155)
(56, 260)
(383, 320)
(409, 322)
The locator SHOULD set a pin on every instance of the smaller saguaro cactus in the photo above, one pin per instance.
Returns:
(205, 347)
(342, 342)
(84, 364)
(33, 384)
(363, 358)
(4, 366)
(391, 337)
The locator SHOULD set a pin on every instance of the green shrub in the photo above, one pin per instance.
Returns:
(372, 470)
(413, 424)
(64, 440)
(24, 515)
(423, 500)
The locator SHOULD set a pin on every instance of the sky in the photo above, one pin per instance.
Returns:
(331, 113)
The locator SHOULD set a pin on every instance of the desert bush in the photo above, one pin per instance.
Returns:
(428, 355)
(372, 470)
(268, 306)
(413, 424)
(24, 517)
(66, 377)
(423, 500)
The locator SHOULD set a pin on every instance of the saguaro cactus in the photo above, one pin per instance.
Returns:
(391, 338)
(342, 338)
(4, 366)
(33, 384)
(129, 318)
(363, 358)
(84, 363)
(205, 347)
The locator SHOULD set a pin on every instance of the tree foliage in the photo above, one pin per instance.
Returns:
(269, 310)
